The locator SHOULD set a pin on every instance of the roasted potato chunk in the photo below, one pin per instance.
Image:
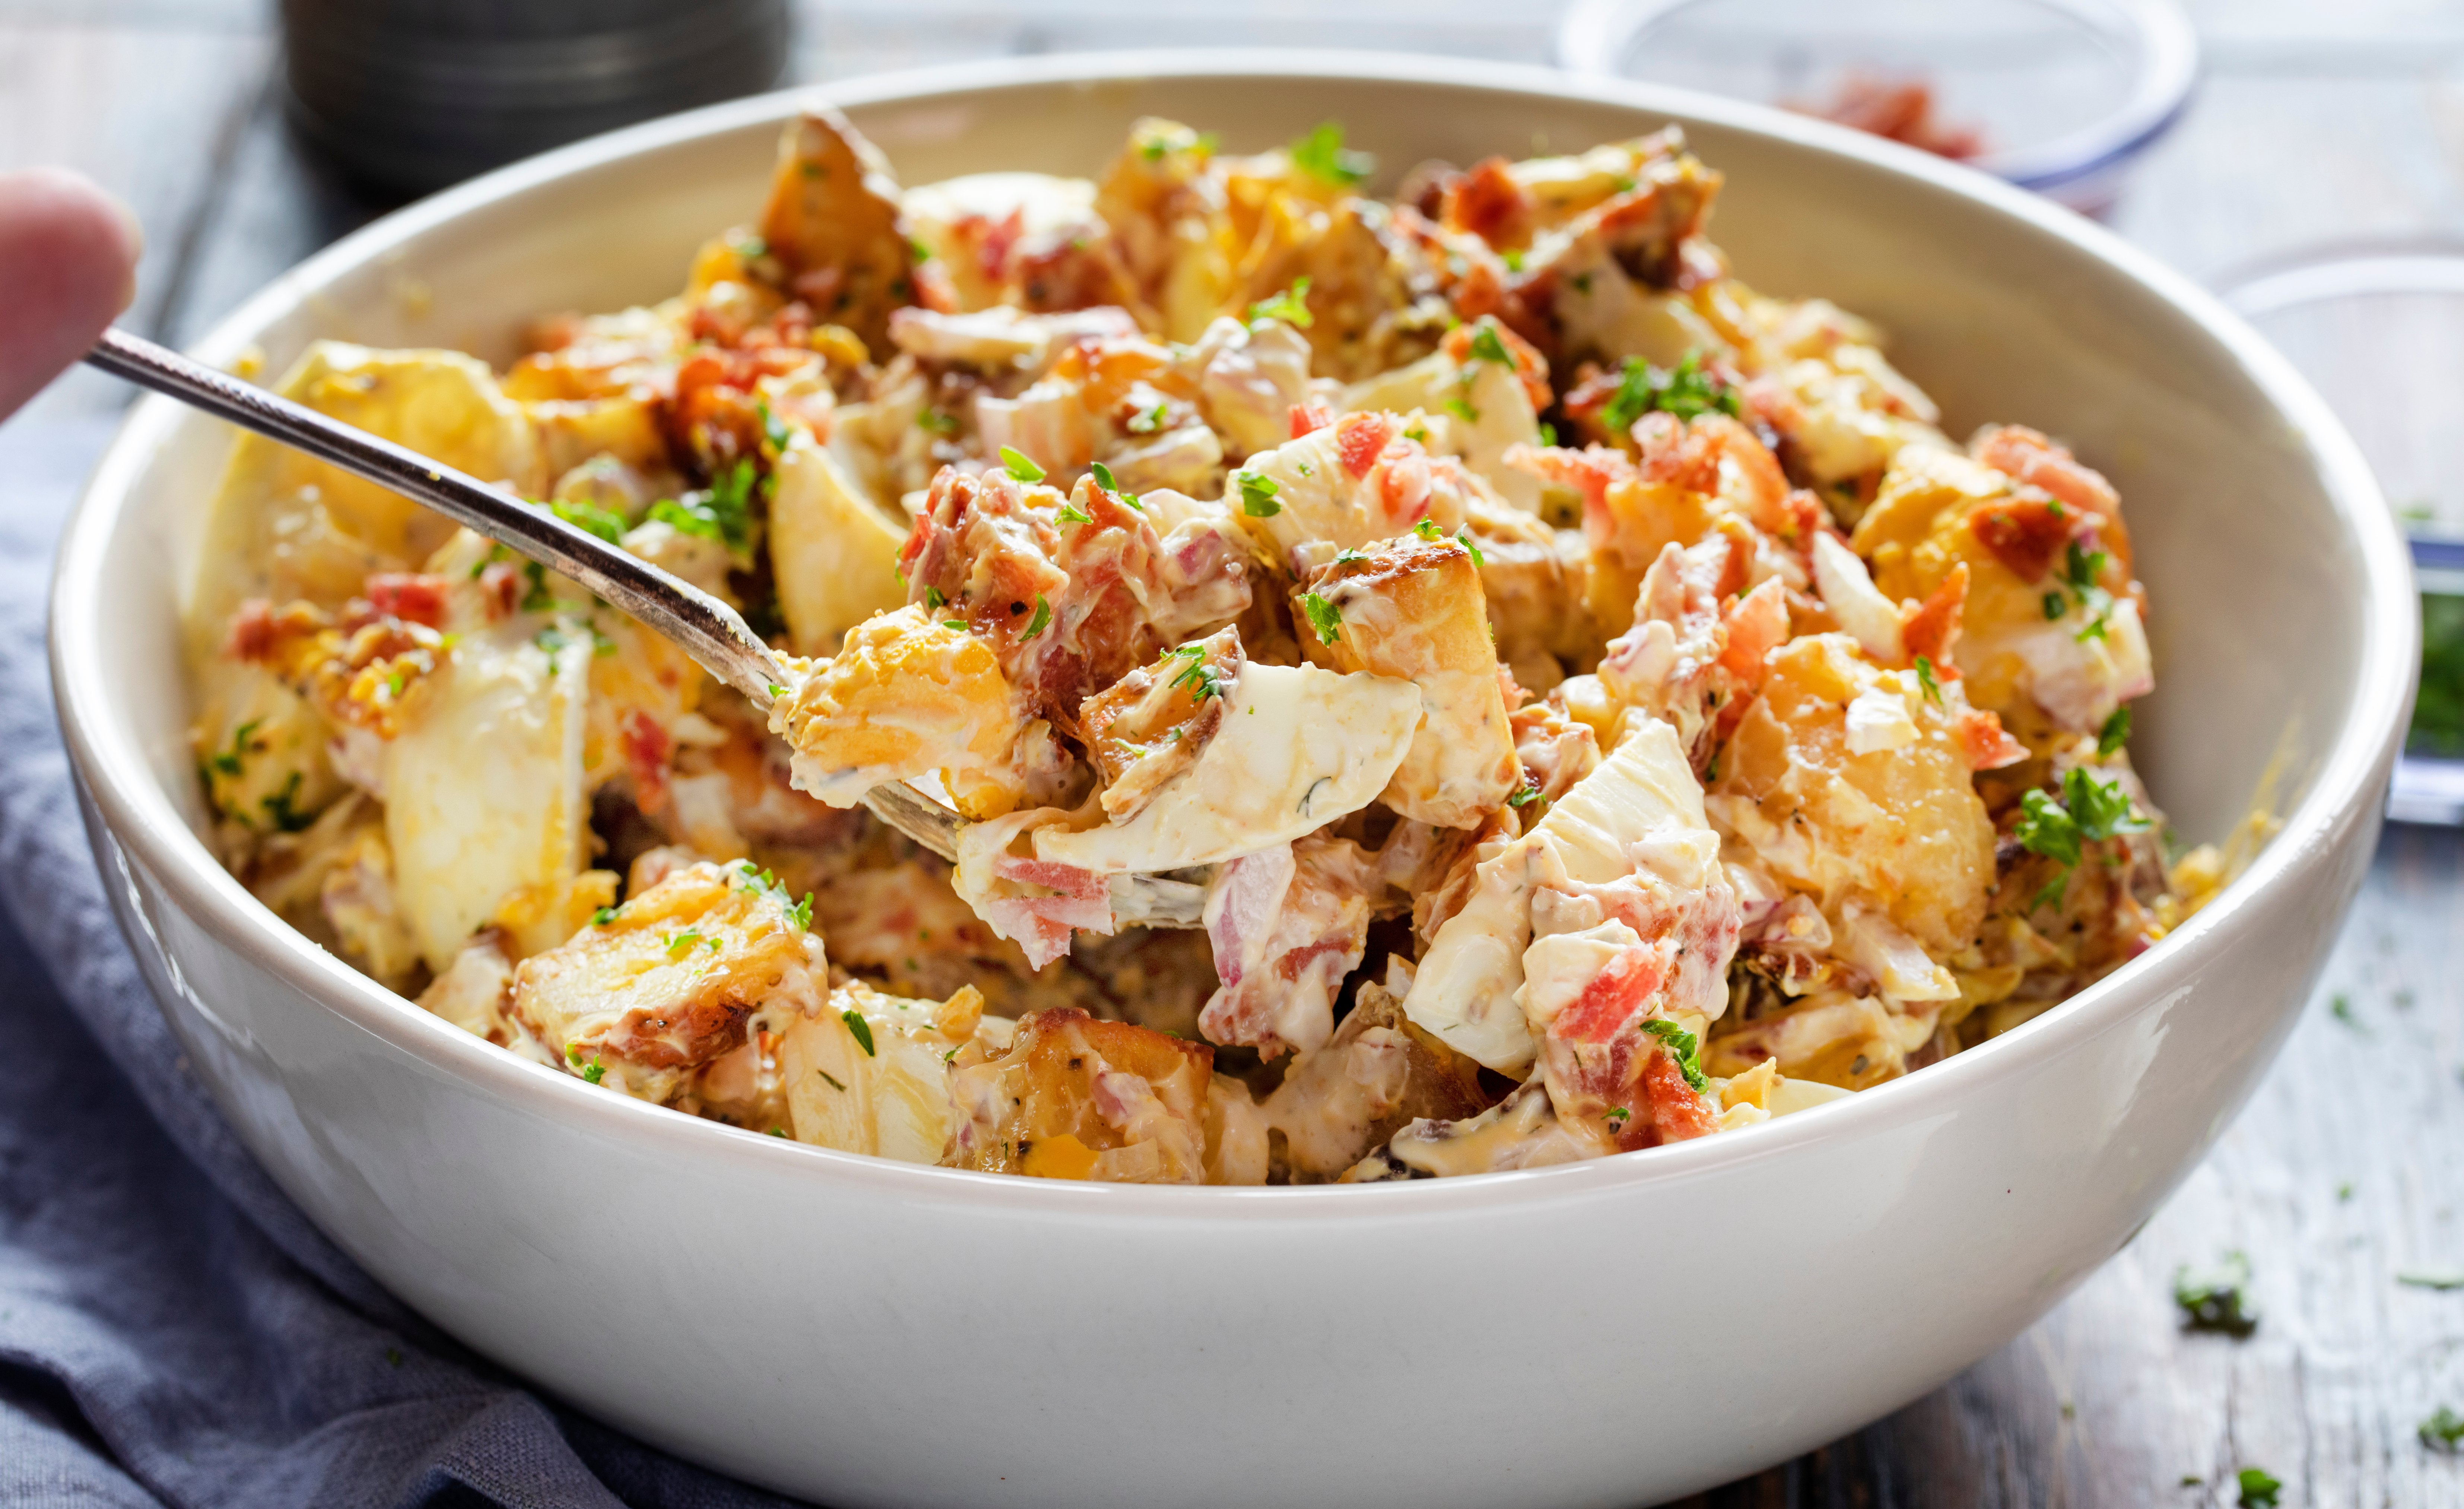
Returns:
(665, 983)
(905, 695)
(1848, 781)
(1074, 1098)
(1376, 1074)
(1148, 726)
(832, 219)
(1413, 606)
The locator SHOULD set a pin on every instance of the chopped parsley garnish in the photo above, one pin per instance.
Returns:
(1463, 538)
(1288, 306)
(1617, 1116)
(1020, 467)
(1072, 514)
(1486, 346)
(226, 761)
(1258, 495)
(1684, 1048)
(1685, 390)
(594, 1070)
(764, 883)
(1197, 669)
(2218, 1300)
(2442, 1429)
(603, 916)
(933, 601)
(2089, 809)
(1043, 617)
(1323, 616)
(681, 944)
(1322, 155)
(862, 1028)
(832, 1079)
(2259, 1489)
(723, 513)
(1103, 475)
(2080, 569)
(281, 808)
(1926, 679)
(777, 431)
(2055, 605)
(2438, 1279)
(1523, 797)
(605, 522)
(1147, 421)
(536, 598)
(1548, 432)
(1462, 410)
(751, 249)
(936, 422)
(2115, 733)
(1512, 259)
(959, 624)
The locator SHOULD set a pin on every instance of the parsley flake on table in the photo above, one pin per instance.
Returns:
(2443, 1430)
(2259, 1488)
(2219, 1298)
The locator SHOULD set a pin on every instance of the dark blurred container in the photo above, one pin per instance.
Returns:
(413, 94)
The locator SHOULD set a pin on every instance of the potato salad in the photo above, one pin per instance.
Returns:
(1598, 704)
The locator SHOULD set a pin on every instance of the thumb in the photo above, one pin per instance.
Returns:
(68, 262)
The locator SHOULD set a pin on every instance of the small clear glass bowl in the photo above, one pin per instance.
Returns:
(2060, 96)
(2378, 327)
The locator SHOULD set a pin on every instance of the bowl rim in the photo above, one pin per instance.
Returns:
(113, 774)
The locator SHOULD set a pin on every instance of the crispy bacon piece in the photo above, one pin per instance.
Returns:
(1309, 418)
(1360, 440)
(2017, 452)
(416, 598)
(2026, 534)
(1932, 627)
(1486, 201)
(1983, 744)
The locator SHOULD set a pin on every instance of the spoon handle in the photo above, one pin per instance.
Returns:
(705, 627)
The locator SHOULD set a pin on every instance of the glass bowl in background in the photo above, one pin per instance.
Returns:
(2379, 330)
(2060, 96)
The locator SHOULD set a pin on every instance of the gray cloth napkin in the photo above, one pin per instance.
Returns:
(172, 1328)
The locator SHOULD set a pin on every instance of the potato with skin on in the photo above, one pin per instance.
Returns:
(832, 219)
(1412, 608)
(1376, 1074)
(1150, 725)
(1074, 1098)
(905, 695)
(1898, 826)
(1938, 510)
(668, 982)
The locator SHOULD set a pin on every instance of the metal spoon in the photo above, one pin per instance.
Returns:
(699, 624)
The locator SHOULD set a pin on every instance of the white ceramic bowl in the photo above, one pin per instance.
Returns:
(1612, 1332)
